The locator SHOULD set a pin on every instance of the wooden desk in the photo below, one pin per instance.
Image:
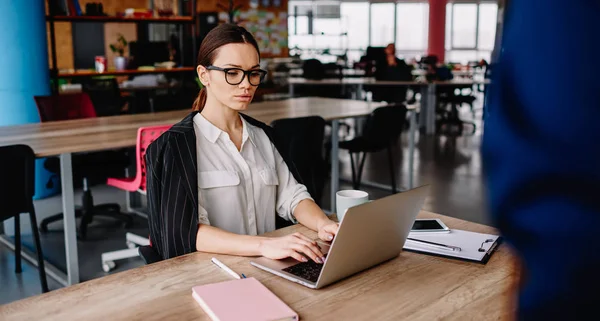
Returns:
(428, 90)
(85, 135)
(410, 287)
(93, 73)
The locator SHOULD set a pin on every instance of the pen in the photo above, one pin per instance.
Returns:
(437, 245)
(226, 268)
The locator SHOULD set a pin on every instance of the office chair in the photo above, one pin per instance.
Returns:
(105, 95)
(16, 196)
(448, 121)
(313, 69)
(91, 165)
(301, 141)
(145, 136)
(381, 130)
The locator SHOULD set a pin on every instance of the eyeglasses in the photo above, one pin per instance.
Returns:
(235, 76)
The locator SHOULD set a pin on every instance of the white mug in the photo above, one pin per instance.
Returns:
(349, 198)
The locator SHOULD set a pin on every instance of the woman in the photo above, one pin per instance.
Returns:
(391, 68)
(215, 179)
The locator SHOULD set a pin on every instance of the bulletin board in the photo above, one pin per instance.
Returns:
(267, 21)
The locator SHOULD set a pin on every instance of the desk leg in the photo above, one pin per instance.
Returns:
(335, 162)
(66, 176)
(411, 147)
(431, 104)
(291, 90)
(151, 102)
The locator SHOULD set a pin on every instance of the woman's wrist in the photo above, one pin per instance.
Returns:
(322, 222)
(260, 245)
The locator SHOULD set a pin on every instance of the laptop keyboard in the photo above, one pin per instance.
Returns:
(307, 270)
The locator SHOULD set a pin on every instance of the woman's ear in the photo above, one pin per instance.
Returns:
(202, 75)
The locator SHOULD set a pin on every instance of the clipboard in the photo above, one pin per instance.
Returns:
(475, 247)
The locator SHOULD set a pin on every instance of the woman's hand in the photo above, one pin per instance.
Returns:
(294, 245)
(327, 229)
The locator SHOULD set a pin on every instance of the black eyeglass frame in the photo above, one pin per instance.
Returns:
(263, 74)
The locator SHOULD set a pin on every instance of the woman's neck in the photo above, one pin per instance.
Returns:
(225, 118)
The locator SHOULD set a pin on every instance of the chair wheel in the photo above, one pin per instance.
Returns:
(131, 245)
(108, 265)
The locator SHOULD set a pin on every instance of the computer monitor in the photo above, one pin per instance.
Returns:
(148, 53)
(375, 53)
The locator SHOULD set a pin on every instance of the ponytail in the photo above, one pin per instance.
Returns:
(200, 100)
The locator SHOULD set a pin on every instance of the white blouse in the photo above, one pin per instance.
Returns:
(240, 191)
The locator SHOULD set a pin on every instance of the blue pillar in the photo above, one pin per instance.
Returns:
(24, 70)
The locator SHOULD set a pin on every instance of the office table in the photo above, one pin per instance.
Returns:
(428, 90)
(410, 287)
(64, 138)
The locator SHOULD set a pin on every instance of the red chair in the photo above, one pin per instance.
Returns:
(146, 135)
(91, 165)
(65, 107)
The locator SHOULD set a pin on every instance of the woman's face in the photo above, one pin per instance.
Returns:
(235, 55)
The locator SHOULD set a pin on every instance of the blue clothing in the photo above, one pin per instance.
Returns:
(542, 154)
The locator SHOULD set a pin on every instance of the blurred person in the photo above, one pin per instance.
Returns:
(215, 180)
(542, 155)
(391, 68)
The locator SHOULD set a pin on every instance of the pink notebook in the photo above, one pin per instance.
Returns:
(245, 299)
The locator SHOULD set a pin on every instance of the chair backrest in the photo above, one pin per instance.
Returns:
(64, 107)
(313, 69)
(146, 135)
(105, 95)
(384, 125)
(301, 141)
(17, 180)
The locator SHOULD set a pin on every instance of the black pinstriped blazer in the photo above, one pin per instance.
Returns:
(172, 187)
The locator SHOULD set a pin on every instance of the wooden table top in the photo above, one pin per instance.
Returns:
(93, 73)
(92, 134)
(373, 81)
(412, 287)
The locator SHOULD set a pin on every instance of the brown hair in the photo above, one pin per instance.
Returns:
(216, 38)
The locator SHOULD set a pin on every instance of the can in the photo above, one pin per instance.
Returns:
(100, 64)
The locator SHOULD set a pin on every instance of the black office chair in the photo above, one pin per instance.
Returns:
(105, 95)
(301, 141)
(313, 69)
(88, 167)
(17, 176)
(381, 130)
(448, 121)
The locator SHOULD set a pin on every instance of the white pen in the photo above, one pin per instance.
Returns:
(226, 268)
(436, 245)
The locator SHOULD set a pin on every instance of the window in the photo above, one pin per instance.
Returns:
(350, 26)
(464, 25)
(412, 27)
(382, 24)
(470, 30)
(488, 13)
(355, 20)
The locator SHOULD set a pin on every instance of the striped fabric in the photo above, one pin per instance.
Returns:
(172, 187)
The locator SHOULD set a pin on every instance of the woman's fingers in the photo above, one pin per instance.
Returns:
(303, 237)
(332, 228)
(325, 236)
(313, 246)
(297, 256)
(308, 251)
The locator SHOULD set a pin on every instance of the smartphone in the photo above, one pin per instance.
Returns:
(429, 226)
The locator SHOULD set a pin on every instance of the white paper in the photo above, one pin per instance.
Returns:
(469, 242)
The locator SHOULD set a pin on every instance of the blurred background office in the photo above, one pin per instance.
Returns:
(432, 58)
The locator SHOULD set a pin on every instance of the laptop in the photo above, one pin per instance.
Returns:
(369, 234)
